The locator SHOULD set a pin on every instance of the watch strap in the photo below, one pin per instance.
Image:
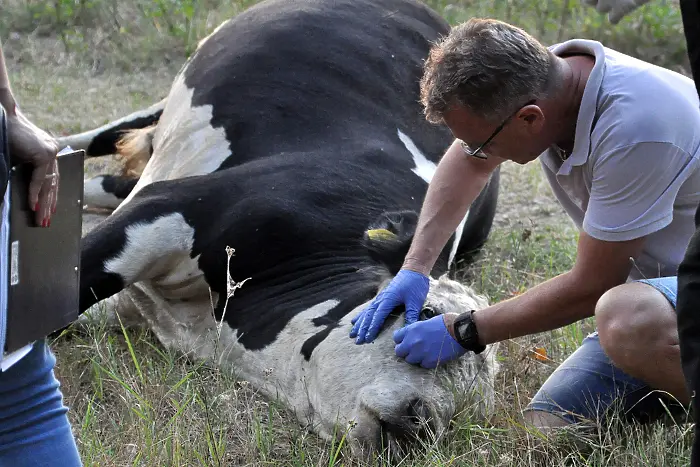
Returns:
(466, 333)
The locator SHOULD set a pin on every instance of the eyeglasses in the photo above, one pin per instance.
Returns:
(479, 151)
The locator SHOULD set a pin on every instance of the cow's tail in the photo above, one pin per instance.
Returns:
(105, 140)
(130, 140)
(134, 149)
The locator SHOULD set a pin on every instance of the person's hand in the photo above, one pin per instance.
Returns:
(408, 287)
(616, 9)
(28, 143)
(428, 343)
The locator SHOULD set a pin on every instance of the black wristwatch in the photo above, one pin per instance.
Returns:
(466, 333)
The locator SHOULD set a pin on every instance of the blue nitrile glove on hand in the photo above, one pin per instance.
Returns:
(427, 343)
(408, 287)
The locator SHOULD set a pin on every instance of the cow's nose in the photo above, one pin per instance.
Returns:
(411, 423)
(396, 417)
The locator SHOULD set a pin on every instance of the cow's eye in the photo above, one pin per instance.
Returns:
(428, 312)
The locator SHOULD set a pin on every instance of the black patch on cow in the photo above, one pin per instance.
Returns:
(312, 342)
(119, 186)
(310, 95)
(333, 316)
(316, 74)
(106, 142)
(107, 240)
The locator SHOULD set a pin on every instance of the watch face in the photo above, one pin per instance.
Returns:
(466, 333)
(462, 328)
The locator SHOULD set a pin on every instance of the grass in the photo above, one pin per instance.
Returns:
(76, 64)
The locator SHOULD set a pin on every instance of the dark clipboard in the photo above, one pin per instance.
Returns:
(44, 263)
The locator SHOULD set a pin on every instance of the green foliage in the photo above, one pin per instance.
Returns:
(653, 32)
(136, 29)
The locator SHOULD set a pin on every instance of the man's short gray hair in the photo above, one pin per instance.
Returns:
(489, 67)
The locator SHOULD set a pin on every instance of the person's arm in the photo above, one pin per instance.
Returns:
(7, 100)
(632, 196)
(30, 144)
(564, 299)
(560, 301)
(457, 182)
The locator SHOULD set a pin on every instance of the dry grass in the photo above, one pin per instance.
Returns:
(134, 403)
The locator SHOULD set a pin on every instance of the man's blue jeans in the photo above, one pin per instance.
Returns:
(587, 386)
(34, 426)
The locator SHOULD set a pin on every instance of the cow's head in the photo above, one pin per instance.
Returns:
(378, 396)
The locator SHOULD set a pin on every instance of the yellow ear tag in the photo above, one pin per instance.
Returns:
(380, 234)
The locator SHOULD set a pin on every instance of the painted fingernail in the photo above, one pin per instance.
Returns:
(36, 207)
(43, 223)
(48, 224)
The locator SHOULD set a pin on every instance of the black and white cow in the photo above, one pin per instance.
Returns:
(288, 164)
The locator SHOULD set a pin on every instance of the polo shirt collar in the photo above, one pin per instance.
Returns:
(589, 101)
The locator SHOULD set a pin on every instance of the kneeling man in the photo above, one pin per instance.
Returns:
(619, 141)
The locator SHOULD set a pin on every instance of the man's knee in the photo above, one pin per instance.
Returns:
(544, 420)
(631, 316)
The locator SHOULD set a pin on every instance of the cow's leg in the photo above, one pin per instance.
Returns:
(147, 239)
(107, 191)
(103, 141)
(116, 311)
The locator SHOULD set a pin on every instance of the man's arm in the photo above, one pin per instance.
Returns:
(632, 196)
(562, 300)
(557, 302)
(457, 182)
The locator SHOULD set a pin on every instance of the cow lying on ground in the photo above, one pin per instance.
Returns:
(291, 154)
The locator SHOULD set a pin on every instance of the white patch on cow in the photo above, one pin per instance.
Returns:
(458, 238)
(216, 30)
(154, 249)
(184, 143)
(285, 359)
(425, 169)
(83, 140)
(95, 196)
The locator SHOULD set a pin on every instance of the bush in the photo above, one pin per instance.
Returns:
(129, 33)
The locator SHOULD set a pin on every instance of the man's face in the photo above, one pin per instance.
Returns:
(519, 137)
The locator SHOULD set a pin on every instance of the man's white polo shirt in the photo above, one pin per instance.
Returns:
(633, 171)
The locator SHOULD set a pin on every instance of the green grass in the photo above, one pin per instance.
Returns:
(76, 64)
(135, 403)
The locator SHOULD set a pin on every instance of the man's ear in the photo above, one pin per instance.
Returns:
(532, 117)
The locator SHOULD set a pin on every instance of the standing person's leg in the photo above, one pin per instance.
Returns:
(688, 308)
(34, 426)
(690, 14)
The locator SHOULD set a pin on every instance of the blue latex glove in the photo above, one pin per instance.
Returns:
(408, 287)
(427, 343)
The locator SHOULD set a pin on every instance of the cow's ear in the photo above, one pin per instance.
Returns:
(389, 237)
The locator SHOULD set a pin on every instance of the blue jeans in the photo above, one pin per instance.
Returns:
(34, 426)
(588, 387)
